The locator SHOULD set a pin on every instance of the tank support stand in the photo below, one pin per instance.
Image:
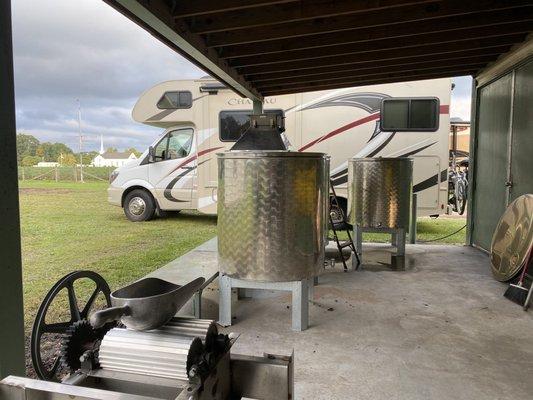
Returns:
(397, 240)
(302, 292)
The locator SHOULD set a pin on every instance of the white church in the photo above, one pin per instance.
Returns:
(111, 158)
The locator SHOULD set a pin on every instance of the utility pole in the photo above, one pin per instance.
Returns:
(81, 140)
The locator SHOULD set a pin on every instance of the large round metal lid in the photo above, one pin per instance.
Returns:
(268, 153)
(512, 239)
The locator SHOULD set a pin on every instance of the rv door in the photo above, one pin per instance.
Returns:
(172, 169)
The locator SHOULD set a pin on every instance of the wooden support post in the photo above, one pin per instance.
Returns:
(11, 305)
(258, 107)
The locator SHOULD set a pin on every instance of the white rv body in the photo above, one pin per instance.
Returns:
(342, 123)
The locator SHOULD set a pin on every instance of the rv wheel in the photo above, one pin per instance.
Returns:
(139, 205)
(338, 210)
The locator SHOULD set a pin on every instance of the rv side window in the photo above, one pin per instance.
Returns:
(410, 114)
(179, 143)
(176, 144)
(160, 149)
(232, 124)
(175, 100)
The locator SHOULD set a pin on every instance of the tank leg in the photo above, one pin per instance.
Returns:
(311, 288)
(394, 239)
(300, 305)
(197, 304)
(358, 235)
(400, 242)
(224, 306)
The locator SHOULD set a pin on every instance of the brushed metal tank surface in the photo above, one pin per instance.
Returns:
(379, 192)
(272, 214)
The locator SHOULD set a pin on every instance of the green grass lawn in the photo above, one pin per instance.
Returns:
(429, 230)
(69, 226)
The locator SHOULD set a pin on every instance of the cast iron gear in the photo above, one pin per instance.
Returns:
(79, 338)
(45, 335)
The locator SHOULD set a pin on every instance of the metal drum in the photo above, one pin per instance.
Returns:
(379, 192)
(272, 214)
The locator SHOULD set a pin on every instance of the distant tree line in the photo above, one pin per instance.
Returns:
(31, 151)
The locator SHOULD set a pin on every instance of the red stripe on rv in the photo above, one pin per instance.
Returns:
(201, 153)
(192, 158)
(443, 109)
(351, 125)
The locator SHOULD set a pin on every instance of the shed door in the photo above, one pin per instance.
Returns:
(504, 149)
(491, 159)
(522, 135)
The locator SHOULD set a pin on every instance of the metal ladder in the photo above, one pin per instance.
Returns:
(341, 226)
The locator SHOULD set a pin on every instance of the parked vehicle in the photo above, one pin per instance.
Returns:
(202, 117)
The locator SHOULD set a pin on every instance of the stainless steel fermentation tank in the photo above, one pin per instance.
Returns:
(379, 192)
(272, 214)
(379, 199)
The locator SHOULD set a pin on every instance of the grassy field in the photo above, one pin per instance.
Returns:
(69, 226)
(429, 230)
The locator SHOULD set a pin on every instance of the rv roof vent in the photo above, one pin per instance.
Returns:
(212, 87)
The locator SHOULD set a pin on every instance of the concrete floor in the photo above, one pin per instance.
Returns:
(441, 329)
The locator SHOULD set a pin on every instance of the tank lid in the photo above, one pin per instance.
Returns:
(379, 159)
(268, 153)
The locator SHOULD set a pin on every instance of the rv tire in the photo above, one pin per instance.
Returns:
(139, 205)
(335, 212)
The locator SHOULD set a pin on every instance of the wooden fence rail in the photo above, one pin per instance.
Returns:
(70, 173)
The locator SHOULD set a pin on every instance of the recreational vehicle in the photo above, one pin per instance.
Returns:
(202, 117)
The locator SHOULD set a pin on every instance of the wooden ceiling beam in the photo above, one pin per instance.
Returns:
(184, 9)
(407, 31)
(334, 43)
(291, 12)
(390, 65)
(430, 67)
(426, 52)
(473, 38)
(364, 20)
(363, 82)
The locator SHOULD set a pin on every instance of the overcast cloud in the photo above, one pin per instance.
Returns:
(85, 49)
(70, 49)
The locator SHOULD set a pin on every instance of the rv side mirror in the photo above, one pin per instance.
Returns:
(151, 154)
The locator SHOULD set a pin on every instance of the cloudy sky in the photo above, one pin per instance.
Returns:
(83, 49)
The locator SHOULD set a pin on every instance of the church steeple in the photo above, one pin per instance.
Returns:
(102, 151)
